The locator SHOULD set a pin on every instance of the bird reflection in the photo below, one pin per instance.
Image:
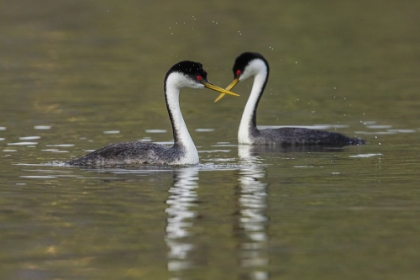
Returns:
(180, 210)
(253, 221)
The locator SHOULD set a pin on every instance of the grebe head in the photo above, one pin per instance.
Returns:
(248, 64)
(187, 74)
(190, 74)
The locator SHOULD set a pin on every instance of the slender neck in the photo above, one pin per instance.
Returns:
(248, 123)
(182, 138)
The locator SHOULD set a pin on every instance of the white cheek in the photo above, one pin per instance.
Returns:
(177, 80)
(197, 85)
(190, 83)
(253, 68)
(246, 74)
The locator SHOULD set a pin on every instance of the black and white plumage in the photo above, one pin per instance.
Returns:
(249, 65)
(183, 74)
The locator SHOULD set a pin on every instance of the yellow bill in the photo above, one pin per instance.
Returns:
(219, 89)
(229, 87)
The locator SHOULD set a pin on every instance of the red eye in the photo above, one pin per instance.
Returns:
(238, 72)
(199, 78)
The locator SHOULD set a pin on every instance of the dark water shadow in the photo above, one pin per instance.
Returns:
(266, 149)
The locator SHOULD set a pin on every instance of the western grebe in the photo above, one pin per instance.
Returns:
(183, 74)
(255, 65)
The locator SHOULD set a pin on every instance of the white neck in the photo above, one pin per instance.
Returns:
(182, 136)
(244, 133)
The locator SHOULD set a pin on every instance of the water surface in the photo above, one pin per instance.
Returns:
(78, 75)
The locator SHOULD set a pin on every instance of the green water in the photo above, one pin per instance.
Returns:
(77, 75)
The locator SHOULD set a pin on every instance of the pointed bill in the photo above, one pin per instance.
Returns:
(219, 89)
(229, 87)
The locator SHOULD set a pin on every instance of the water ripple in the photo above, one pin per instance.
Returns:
(111, 132)
(365, 155)
(42, 127)
(22, 143)
(30, 138)
(156, 130)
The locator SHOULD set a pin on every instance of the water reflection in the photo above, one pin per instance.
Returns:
(180, 210)
(252, 218)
